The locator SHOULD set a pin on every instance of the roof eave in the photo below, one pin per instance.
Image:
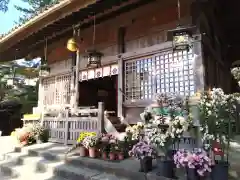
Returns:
(35, 19)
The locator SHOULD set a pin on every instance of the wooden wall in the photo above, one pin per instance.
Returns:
(145, 26)
(217, 66)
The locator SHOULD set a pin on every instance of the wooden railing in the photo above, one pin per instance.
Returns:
(66, 129)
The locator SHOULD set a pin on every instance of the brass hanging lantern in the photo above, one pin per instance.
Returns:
(29, 57)
(44, 68)
(181, 37)
(93, 56)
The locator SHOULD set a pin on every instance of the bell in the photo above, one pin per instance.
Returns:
(72, 45)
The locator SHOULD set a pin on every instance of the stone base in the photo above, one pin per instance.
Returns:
(48, 162)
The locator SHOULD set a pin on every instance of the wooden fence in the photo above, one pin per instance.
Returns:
(66, 130)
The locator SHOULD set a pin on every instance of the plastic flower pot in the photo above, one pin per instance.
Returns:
(120, 156)
(220, 171)
(112, 156)
(192, 174)
(165, 168)
(146, 164)
(82, 151)
(104, 155)
(92, 152)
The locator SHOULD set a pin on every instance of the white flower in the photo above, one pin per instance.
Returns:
(122, 136)
(209, 112)
(167, 120)
(140, 124)
(128, 129)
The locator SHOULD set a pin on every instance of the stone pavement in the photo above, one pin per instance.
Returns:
(234, 158)
(7, 145)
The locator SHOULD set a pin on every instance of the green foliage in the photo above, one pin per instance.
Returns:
(34, 6)
(4, 5)
(26, 94)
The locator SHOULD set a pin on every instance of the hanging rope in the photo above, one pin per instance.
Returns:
(45, 51)
(94, 29)
(179, 10)
(74, 31)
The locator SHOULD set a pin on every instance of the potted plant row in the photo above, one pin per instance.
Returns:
(105, 146)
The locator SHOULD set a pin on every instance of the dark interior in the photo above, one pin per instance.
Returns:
(99, 90)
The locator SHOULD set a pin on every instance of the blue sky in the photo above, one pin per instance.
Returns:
(12, 15)
(9, 19)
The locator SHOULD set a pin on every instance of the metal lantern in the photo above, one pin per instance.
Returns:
(44, 71)
(94, 58)
(181, 38)
(10, 82)
(72, 45)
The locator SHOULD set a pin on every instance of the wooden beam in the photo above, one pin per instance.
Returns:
(42, 21)
(36, 48)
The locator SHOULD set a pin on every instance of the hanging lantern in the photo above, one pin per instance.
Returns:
(72, 45)
(94, 58)
(29, 57)
(10, 82)
(44, 71)
(181, 38)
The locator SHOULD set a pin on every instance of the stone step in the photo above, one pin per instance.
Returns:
(127, 168)
(28, 167)
(51, 152)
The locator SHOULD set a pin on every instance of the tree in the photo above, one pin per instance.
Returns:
(4, 5)
(34, 5)
(12, 85)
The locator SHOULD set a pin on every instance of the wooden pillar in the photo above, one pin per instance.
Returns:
(66, 130)
(40, 93)
(77, 81)
(121, 49)
(120, 88)
(199, 71)
(198, 64)
(100, 117)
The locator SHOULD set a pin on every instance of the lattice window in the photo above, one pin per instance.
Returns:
(56, 90)
(48, 91)
(165, 72)
(63, 89)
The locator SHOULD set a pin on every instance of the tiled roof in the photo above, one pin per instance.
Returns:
(34, 17)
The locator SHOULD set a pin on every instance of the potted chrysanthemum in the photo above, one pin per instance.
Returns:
(91, 142)
(145, 153)
(104, 145)
(196, 163)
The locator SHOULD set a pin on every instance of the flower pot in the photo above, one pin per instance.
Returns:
(120, 156)
(39, 141)
(104, 155)
(146, 164)
(82, 151)
(192, 174)
(220, 170)
(112, 156)
(170, 153)
(165, 168)
(92, 152)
